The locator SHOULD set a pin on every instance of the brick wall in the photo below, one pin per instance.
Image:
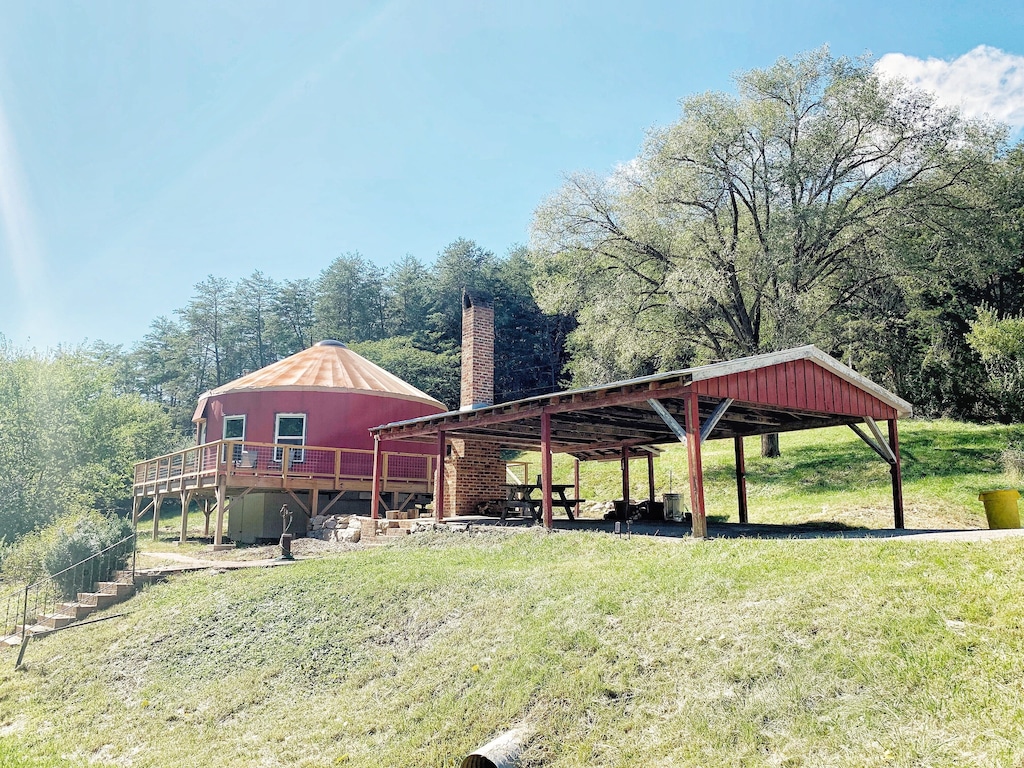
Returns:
(473, 472)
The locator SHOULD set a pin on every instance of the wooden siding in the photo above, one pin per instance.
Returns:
(799, 385)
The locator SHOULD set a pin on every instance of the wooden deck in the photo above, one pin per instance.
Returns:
(227, 469)
(267, 466)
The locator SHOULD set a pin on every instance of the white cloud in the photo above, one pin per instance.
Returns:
(984, 82)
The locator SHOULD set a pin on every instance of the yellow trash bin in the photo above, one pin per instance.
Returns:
(1001, 508)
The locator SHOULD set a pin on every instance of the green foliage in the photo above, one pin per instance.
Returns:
(61, 544)
(1000, 343)
(759, 221)
(436, 373)
(69, 438)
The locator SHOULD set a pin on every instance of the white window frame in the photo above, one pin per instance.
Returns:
(297, 456)
(237, 452)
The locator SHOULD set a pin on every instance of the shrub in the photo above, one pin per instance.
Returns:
(58, 546)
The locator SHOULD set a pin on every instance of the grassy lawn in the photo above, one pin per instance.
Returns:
(829, 475)
(618, 652)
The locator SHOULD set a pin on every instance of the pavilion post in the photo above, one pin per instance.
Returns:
(650, 478)
(696, 471)
(741, 478)
(897, 474)
(439, 477)
(222, 500)
(545, 469)
(576, 484)
(625, 478)
(375, 488)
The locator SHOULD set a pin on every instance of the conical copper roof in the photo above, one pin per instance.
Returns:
(328, 366)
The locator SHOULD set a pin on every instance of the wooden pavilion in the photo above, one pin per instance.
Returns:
(795, 389)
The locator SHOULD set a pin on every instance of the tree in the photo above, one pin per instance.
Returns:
(745, 225)
(408, 288)
(69, 438)
(349, 303)
(206, 320)
(293, 318)
(250, 305)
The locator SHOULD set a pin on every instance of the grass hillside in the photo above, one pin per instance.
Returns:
(620, 652)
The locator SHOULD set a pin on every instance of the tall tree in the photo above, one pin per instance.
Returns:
(293, 318)
(349, 304)
(408, 290)
(250, 307)
(751, 220)
(206, 319)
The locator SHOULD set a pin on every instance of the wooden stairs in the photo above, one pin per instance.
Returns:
(107, 593)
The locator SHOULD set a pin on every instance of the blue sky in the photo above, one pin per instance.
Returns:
(145, 145)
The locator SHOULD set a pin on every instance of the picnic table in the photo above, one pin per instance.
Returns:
(519, 498)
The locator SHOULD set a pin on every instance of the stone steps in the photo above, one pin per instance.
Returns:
(107, 593)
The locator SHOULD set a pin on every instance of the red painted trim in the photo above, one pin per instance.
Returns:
(545, 469)
(375, 488)
(696, 471)
(442, 445)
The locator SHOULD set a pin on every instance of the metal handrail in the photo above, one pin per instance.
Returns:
(43, 596)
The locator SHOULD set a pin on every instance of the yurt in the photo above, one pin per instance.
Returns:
(323, 402)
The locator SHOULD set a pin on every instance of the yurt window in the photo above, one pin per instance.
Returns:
(234, 429)
(290, 430)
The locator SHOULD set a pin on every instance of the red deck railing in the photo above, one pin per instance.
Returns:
(244, 463)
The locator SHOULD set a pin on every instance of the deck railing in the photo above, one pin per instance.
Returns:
(243, 462)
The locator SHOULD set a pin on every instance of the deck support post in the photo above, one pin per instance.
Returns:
(222, 499)
(157, 503)
(624, 460)
(545, 469)
(136, 500)
(741, 478)
(650, 478)
(314, 502)
(375, 488)
(696, 471)
(576, 484)
(439, 477)
(206, 514)
(897, 475)
(186, 499)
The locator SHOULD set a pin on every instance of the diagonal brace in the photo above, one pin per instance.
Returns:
(714, 418)
(880, 447)
(669, 420)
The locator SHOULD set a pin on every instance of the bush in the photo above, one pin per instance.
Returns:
(58, 546)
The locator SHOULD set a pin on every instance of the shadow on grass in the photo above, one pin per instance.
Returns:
(718, 529)
(844, 466)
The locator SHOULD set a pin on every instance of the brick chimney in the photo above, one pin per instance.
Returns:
(477, 351)
(474, 471)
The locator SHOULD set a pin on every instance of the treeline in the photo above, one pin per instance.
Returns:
(406, 317)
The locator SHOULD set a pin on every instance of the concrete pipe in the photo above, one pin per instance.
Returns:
(502, 752)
